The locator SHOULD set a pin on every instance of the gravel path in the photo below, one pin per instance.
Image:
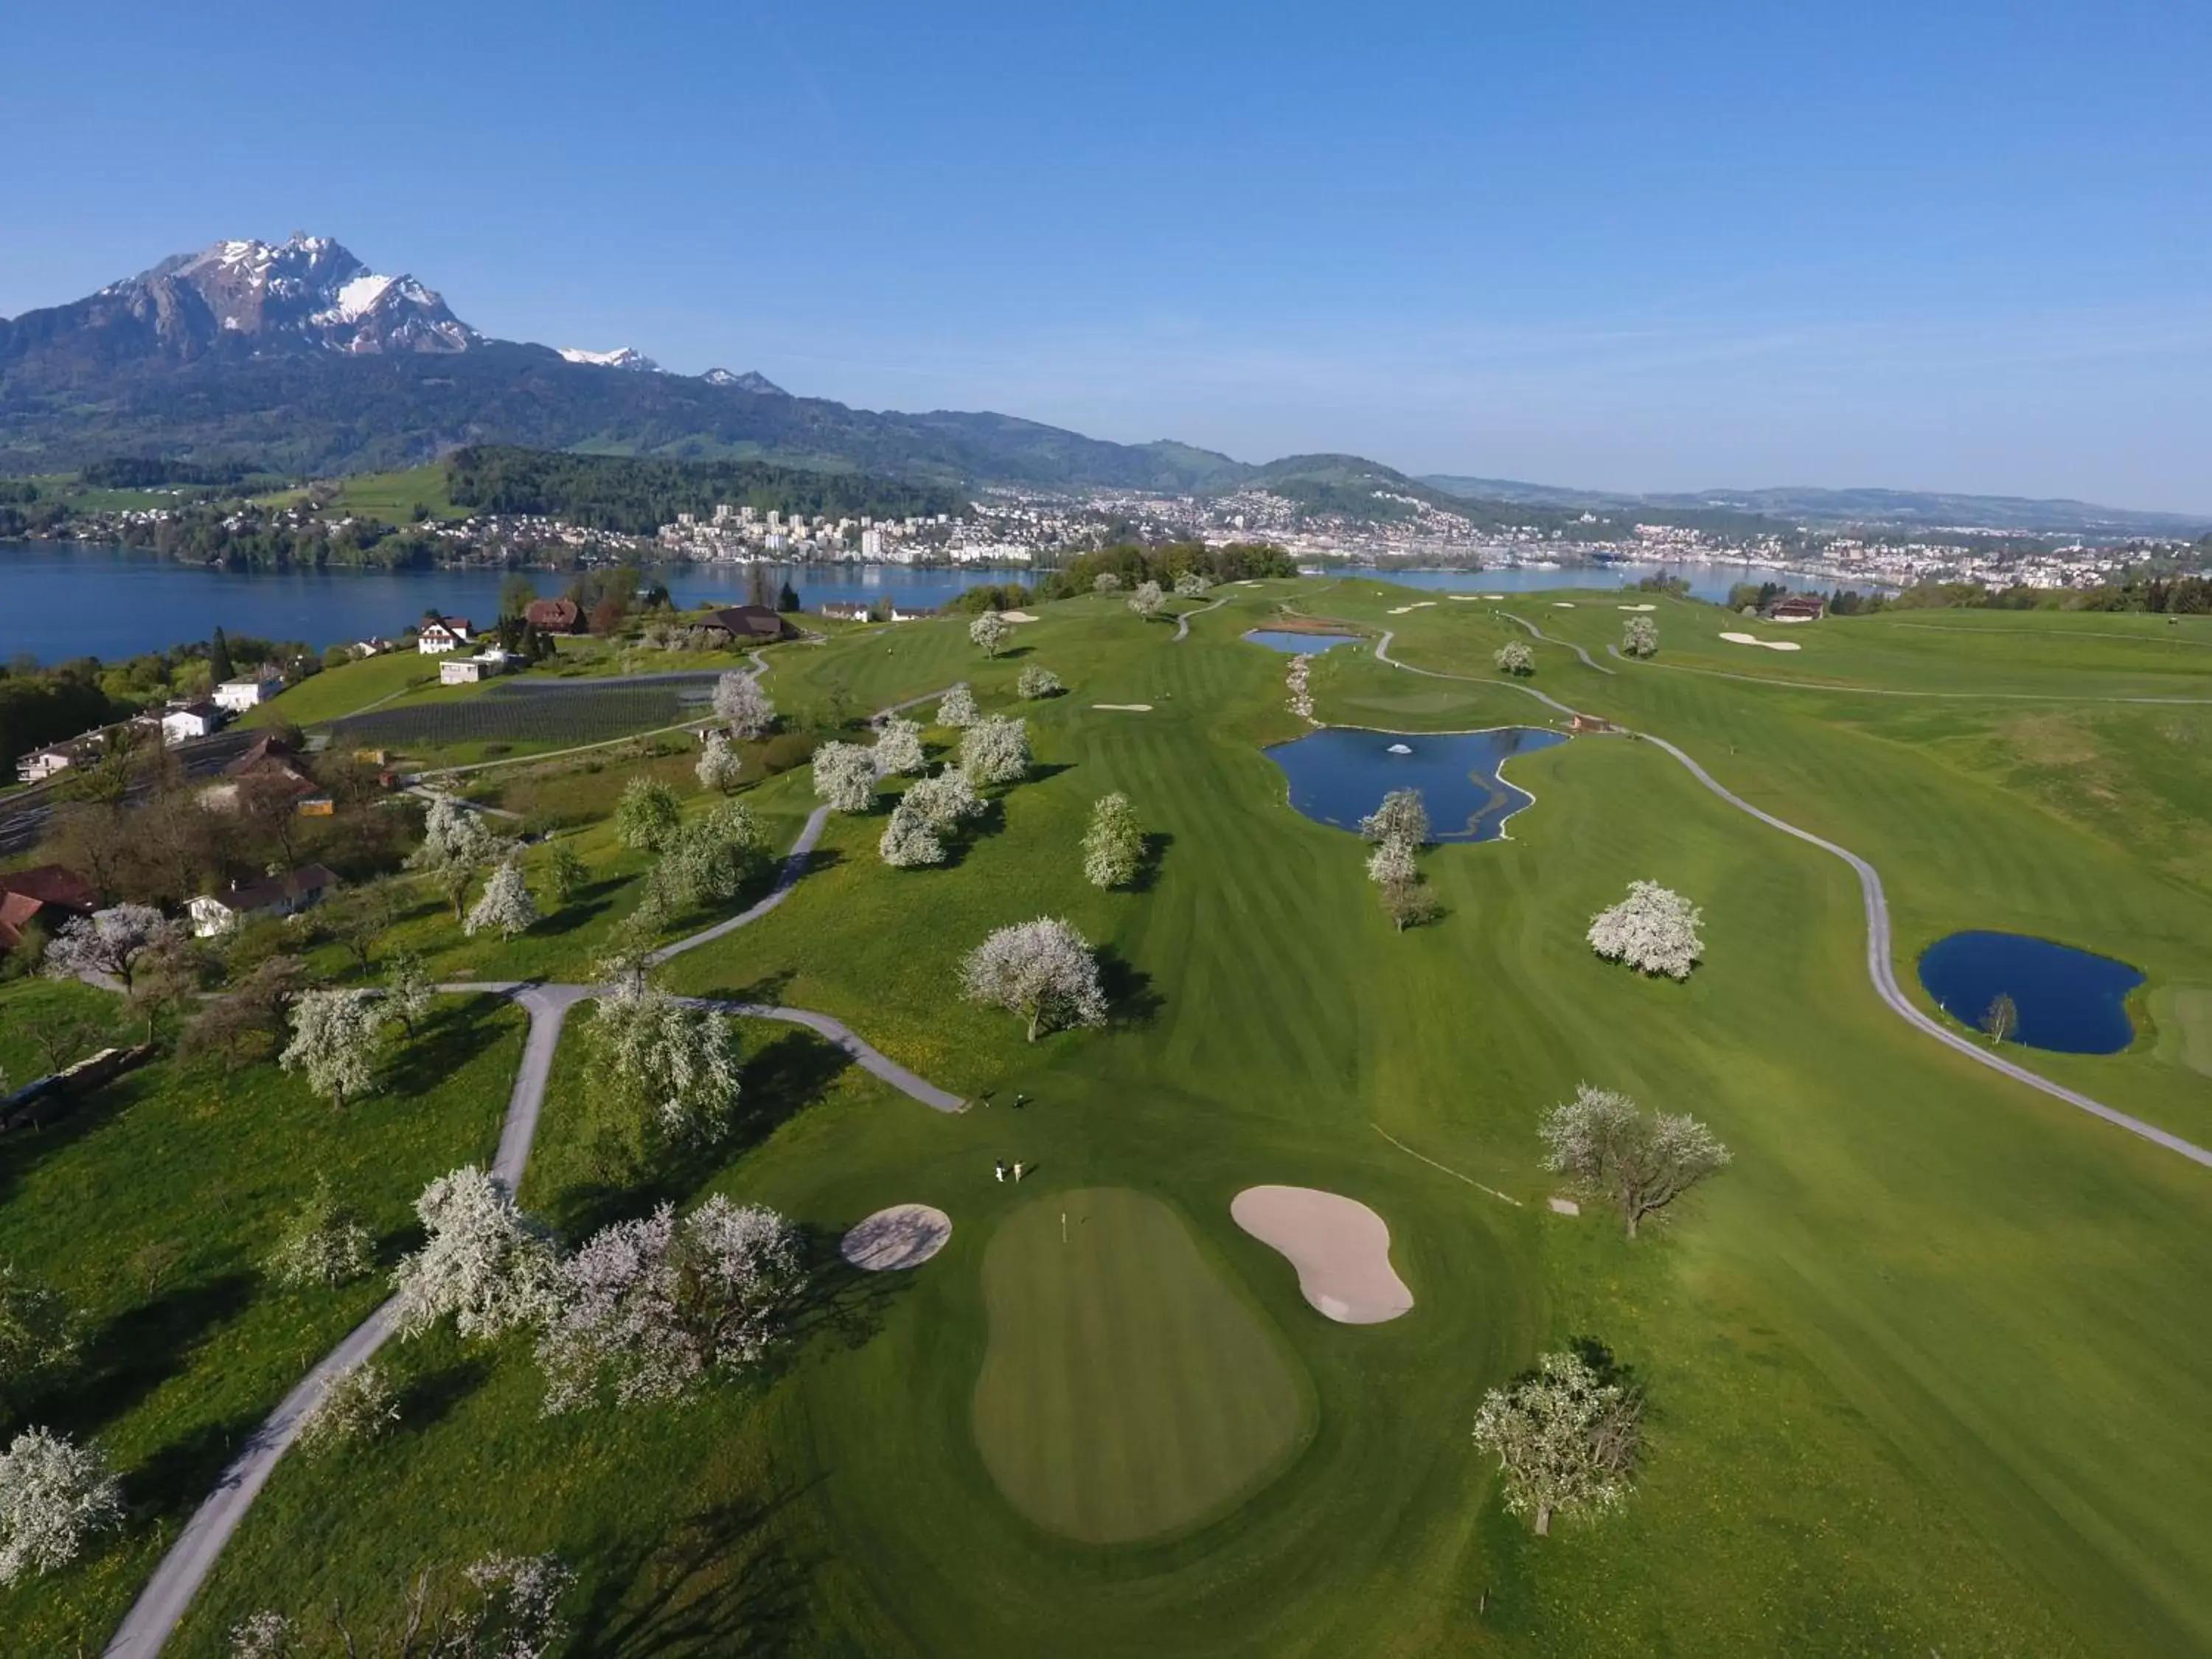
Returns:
(1182, 622)
(1537, 633)
(1880, 968)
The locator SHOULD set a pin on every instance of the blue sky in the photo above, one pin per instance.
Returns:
(1945, 246)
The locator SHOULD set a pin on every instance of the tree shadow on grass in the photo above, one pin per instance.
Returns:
(768, 989)
(1041, 770)
(142, 1347)
(432, 1397)
(724, 1583)
(1149, 861)
(21, 1151)
(457, 1029)
(571, 917)
(841, 1304)
(180, 1475)
(1130, 999)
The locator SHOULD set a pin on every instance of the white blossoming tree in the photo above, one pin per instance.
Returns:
(111, 943)
(455, 844)
(1043, 970)
(407, 990)
(504, 1606)
(324, 1244)
(957, 708)
(1038, 680)
(484, 1263)
(1403, 815)
(741, 705)
(946, 800)
(1392, 864)
(1147, 599)
(506, 907)
(1106, 582)
(910, 840)
(38, 1339)
(1640, 638)
(53, 1493)
(710, 858)
(358, 1405)
(648, 815)
(675, 1062)
(720, 768)
(996, 750)
(989, 633)
(1114, 845)
(845, 775)
(1516, 658)
(336, 1037)
(1653, 930)
(649, 1310)
(898, 748)
(1193, 585)
(1565, 1438)
(1637, 1162)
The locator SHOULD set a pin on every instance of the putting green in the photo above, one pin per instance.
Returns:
(1128, 1390)
(2183, 1013)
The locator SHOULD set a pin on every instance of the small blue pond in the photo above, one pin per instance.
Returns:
(2068, 1000)
(1304, 645)
(1339, 775)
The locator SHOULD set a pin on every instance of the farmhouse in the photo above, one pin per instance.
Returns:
(268, 768)
(1796, 608)
(909, 612)
(442, 633)
(554, 616)
(746, 624)
(188, 721)
(850, 610)
(467, 670)
(278, 895)
(249, 691)
(44, 763)
(47, 894)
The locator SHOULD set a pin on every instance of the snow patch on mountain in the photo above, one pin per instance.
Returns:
(751, 380)
(620, 357)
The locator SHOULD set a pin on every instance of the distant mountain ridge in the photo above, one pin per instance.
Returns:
(295, 357)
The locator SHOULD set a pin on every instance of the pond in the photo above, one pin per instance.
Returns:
(1302, 645)
(2067, 1000)
(1339, 774)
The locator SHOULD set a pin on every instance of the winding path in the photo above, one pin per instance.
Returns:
(1879, 969)
(1535, 632)
(1183, 622)
(160, 1605)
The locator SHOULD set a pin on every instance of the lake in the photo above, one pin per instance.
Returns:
(1339, 774)
(59, 600)
(2068, 1000)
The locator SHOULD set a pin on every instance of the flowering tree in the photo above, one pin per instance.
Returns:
(454, 843)
(336, 1038)
(650, 1310)
(1042, 970)
(678, 1062)
(646, 816)
(1391, 864)
(1565, 1438)
(990, 632)
(957, 708)
(506, 907)
(1652, 930)
(1298, 677)
(1636, 1162)
(741, 705)
(1193, 585)
(38, 1343)
(996, 750)
(710, 858)
(1146, 601)
(1106, 582)
(1036, 681)
(946, 800)
(898, 748)
(484, 1262)
(845, 775)
(111, 942)
(720, 767)
(565, 874)
(910, 839)
(406, 990)
(52, 1493)
(323, 1244)
(1410, 903)
(358, 1405)
(1403, 815)
(1515, 657)
(1640, 638)
(505, 1607)
(1114, 845)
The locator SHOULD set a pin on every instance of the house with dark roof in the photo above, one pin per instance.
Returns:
(49, 895)
(443, 634)
(270, 763)
(286, 895)
(747, 625)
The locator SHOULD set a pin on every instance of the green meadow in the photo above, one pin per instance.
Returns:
(1928, 1365)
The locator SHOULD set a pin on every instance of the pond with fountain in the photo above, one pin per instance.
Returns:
(1339, 774)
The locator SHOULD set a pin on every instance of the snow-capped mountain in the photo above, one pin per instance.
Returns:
(620, 357)
(751, 380)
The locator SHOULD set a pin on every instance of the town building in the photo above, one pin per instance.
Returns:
(186, 721)
(276, 896)
(442, 633)
(248, 690)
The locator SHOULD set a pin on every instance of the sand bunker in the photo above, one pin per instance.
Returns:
(1636, 607)
(1126, 708)
(1490, 596)
(1466, 598)
(1563, 604)
(904, 1236)
(1418, 604)
(1341, 1247)
(1015, 616)
(1754, 639)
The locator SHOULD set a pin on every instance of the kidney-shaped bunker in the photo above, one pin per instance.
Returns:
(1341, 1247)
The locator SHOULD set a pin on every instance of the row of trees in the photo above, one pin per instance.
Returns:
(1132, 565)
(1397, 831)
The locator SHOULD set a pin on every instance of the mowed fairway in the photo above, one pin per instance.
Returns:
(1127, 1391)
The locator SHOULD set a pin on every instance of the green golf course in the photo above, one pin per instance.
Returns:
(1928, 1365)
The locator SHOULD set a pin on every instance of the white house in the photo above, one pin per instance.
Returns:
(908, 612)
(278, 896)
(442, 635)
(248, 691)
(189, 720)
(467, 670)
(44, 763)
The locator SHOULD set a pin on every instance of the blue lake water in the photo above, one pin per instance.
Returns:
(2068, 1000)
(1339, 774)
(59, 600)
(1296, 644)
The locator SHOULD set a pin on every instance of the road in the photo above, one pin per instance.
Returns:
(1879, 969)
(24, 815)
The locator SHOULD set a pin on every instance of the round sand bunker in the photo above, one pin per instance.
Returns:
(1340, 1249)
(904, 1236)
